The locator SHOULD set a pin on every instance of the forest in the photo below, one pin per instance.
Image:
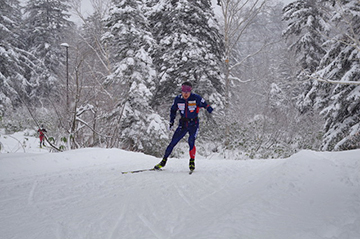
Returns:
(281, 78)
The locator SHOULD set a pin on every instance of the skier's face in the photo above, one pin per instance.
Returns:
(185, 95)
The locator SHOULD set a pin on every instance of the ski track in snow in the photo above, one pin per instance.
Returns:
(82, 194)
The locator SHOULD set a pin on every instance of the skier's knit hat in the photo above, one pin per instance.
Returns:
(186, 87)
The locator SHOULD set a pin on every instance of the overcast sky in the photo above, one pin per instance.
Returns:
(86, 7)
(287, 1)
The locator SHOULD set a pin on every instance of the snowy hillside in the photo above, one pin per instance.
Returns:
(82, 194)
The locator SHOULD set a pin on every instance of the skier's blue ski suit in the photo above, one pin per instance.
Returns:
(189, 121)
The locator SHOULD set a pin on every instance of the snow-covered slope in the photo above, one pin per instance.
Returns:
(81, 194)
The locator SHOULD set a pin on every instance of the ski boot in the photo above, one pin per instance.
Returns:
(160, 165)
(192, 165)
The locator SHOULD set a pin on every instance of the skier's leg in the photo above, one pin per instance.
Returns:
(193, 131)
(178, 135)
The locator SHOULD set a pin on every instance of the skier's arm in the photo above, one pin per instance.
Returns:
(173, 111)
(205, 105)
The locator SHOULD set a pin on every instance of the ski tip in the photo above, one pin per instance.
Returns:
(191, 171)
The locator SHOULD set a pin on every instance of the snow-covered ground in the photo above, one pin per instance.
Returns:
(81, 194)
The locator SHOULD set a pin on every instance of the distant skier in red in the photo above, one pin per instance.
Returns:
(41, 132)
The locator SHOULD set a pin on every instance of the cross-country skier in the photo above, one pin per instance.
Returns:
(189, 105)
(41, 132)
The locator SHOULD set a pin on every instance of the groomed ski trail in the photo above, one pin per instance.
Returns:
(82, 194)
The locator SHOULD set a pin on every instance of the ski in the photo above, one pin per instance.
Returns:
(141, 170)
(147, 170)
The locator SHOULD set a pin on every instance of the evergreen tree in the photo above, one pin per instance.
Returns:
(9, 65)
(308, 26)
(333, 88)
(308, 22)
(133, 79)
(47, 26)
(15, 61)
(190, 48)
(341, 102)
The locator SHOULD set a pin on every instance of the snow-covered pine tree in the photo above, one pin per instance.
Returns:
(307, 31)
(341, 102)
(15, 60)
(307, 21)
(9, 63)
(47, 26)
(190, 48)
(133, 78)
